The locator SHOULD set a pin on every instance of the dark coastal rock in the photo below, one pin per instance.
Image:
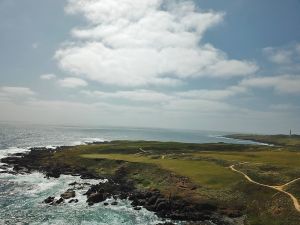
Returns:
(96, 198)
(98, 142)
(166, 223)
(152, 200)
(18, 168)
(137, 208)
(19, 154)
(162, 206)
(61, 200)
(88, 175)
(55, 173)
(79, 186)
(173, 208)
(123, 196)
(105, 204)
(49, 200)
(73, 201)
(114, 203)
(10, 160)
(68, 194)
(203, 223)
(57, 202)
(4, 166)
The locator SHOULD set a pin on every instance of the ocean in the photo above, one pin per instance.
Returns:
(21, 196)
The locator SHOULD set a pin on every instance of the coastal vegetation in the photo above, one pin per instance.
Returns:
(212, 174)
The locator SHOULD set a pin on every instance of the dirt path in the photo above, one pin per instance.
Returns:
(282, 186)
(142, 150)
(278, 188)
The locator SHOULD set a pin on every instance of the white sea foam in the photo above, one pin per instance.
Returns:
(51, 147)
(86, 141)
(36, 188)
(13, 150)
(91, 140)
(27, 192)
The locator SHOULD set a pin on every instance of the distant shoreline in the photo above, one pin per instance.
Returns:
(237, 137)
(270, 140)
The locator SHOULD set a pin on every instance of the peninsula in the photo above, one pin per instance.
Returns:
(223, 183)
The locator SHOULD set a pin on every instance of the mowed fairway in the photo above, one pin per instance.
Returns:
(201, 172)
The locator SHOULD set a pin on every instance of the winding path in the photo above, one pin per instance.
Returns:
(278, 188)
(142, 150)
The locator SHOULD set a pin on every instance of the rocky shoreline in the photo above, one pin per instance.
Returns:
(116, 187)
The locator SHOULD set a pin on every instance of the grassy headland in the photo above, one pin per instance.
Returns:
(201, 173)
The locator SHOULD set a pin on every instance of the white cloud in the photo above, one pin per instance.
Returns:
(230, 68)
(16, 92)
(151, 96)
(211, 94)
(107, 11)
(136, 95)
(198, 106)
(288, 84)
(72, 82)
(48, 76)
(278, 56)
(178, 113)
(137, 43)
(285, 55)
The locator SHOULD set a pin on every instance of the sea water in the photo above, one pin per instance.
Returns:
(21, 196)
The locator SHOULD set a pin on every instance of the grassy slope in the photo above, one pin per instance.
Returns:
(206, 166)
(201, 172)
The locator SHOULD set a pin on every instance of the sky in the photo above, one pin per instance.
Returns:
(204, 65)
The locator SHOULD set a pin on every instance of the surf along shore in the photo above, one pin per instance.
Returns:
(177, 181)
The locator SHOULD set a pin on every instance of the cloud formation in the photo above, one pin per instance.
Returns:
(149, 42)
(72, 82)
(135, 95)
(150, 96)
(48, 76)
(213, 94)
(285, 84)
(16, 92)
(287, 57)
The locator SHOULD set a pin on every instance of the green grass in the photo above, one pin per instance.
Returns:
(206, 166)
(278, 158)
(200, 172)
